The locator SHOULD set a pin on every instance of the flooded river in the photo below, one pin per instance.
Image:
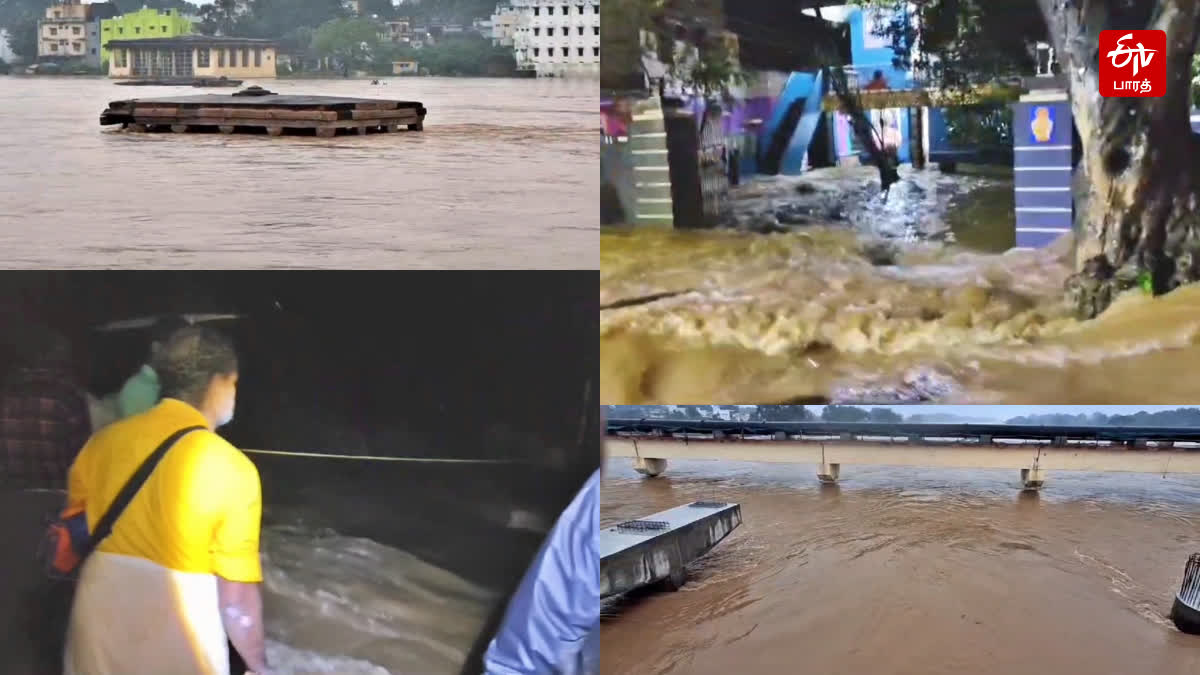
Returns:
(504, 176)
(902, 571)
(879, 307)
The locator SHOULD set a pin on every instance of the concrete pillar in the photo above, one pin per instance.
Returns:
(985, 440)
(649, 466)
(1042, 147)
(828, 473)
(1060, 442)
(1033, 478)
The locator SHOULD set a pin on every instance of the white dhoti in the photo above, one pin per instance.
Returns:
(133, 616)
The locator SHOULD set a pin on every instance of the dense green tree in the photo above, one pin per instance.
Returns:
(469, 55)
(447, 11)
(844, 413)
(351, 43)
(1180, 417)
(220, 18)
(275, 19)
(22, 37)
(884, 416)
(784, 413)
(384, 9)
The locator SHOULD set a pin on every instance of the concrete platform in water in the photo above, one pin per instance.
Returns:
(658, 548)
(265, 112)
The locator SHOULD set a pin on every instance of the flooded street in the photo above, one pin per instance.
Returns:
(504, 176)
(878, 308)
(904, 571)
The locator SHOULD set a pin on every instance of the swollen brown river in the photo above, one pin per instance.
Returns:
(901, 571)
(504, 176)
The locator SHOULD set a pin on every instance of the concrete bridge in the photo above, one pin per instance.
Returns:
(1033, 450)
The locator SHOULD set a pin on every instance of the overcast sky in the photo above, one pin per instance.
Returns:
(1003, 412)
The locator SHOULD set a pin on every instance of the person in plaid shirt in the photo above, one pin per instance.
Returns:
(44, 418)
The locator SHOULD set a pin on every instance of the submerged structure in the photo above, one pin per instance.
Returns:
(656, 550)
(256, 110)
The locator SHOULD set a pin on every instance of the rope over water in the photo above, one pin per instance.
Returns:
(438, 460)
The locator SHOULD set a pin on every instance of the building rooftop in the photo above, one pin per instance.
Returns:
(185, 41)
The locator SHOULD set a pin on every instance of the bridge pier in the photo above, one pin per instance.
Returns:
(1033, 478)
(828, 473)
(649, 466)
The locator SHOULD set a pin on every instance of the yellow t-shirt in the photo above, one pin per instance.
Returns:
(201, 508)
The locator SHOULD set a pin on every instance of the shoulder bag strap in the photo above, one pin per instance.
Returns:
(130, 490)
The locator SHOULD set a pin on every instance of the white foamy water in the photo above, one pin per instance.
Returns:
(352, 606)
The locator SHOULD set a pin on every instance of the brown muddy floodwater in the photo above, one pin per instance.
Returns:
(902, 571)
(504, 176)
(835, 312)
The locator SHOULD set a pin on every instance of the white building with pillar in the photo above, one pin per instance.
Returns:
(555, 38)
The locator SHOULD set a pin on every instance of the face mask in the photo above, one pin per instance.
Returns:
(227, 416)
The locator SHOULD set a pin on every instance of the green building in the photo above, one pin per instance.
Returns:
(144, 23)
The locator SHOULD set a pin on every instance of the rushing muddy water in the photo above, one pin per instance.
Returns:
(504, 176)
(841, 312)
(903, 571)
(369, 568)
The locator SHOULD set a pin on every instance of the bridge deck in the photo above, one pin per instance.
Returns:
(1069, 458)
(863, 429)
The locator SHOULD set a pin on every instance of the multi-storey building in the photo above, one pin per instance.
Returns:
(399, 31)
(70, 31)
(142, 24)
(505, 22)
(556, 38)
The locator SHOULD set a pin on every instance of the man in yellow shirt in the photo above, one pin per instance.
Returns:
(178, 578)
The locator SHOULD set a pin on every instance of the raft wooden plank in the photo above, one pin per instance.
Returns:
(289, 124)
(377, 105)
(380, 114)
(142, 111)
(328, 115)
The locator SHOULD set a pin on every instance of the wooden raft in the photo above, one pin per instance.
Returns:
(273, 114)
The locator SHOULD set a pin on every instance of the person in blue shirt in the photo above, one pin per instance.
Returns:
(552, 622)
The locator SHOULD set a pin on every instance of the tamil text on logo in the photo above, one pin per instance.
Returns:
(1139, 57)
(1132, 63)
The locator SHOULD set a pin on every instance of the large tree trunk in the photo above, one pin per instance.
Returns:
(1141, 162)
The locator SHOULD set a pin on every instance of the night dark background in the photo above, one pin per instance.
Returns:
(409, 364)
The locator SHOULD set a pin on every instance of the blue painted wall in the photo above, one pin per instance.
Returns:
(808, 87)
(869, 59)
(805, 87)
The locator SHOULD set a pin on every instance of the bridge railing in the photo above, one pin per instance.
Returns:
(891, 432)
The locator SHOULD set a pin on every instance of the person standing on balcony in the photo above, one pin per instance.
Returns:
(878, 82)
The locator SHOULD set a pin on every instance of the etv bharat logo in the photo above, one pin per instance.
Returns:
(1133, 63)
